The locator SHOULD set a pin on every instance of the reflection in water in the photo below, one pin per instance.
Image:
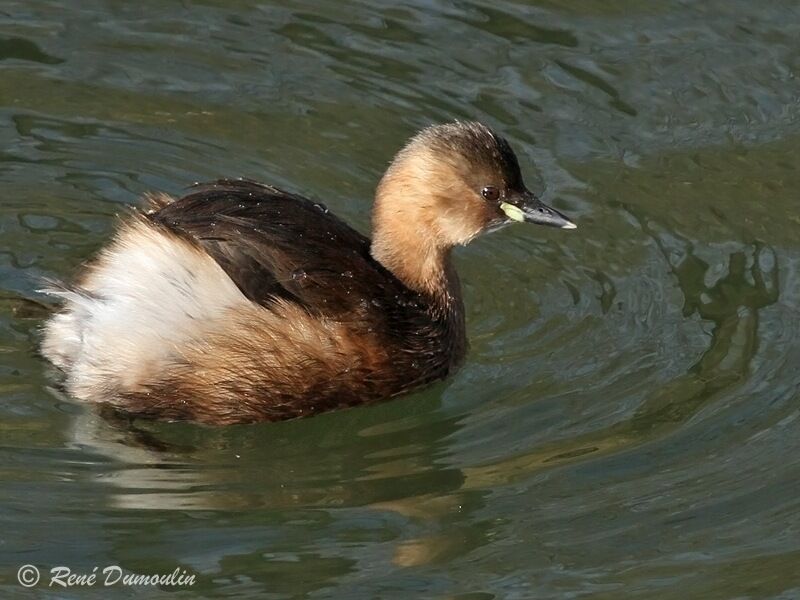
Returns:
(731, 304)
(213, 464)
(148, 471)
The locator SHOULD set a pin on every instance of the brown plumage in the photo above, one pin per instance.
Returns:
(240, 302)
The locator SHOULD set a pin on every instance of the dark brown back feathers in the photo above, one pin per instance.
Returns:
(278, 245)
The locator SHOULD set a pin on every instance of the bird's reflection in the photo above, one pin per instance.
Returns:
(399, 468)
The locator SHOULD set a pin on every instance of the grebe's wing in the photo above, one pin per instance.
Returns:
(278, 245)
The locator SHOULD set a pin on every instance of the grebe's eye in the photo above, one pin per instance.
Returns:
(490, 193)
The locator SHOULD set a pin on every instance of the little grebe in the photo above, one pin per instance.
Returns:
(241, 302)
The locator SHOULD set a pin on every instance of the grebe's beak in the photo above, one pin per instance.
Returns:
(526, 207)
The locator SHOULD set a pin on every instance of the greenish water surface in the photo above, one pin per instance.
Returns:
(626, 425)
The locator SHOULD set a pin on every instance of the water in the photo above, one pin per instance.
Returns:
(626, 425)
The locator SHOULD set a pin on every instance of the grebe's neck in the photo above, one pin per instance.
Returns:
(406, 241)
(413, 257)
(422, 267)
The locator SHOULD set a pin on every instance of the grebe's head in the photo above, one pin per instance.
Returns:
(453, 182)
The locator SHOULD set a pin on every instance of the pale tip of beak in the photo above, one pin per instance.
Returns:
(569, 225)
